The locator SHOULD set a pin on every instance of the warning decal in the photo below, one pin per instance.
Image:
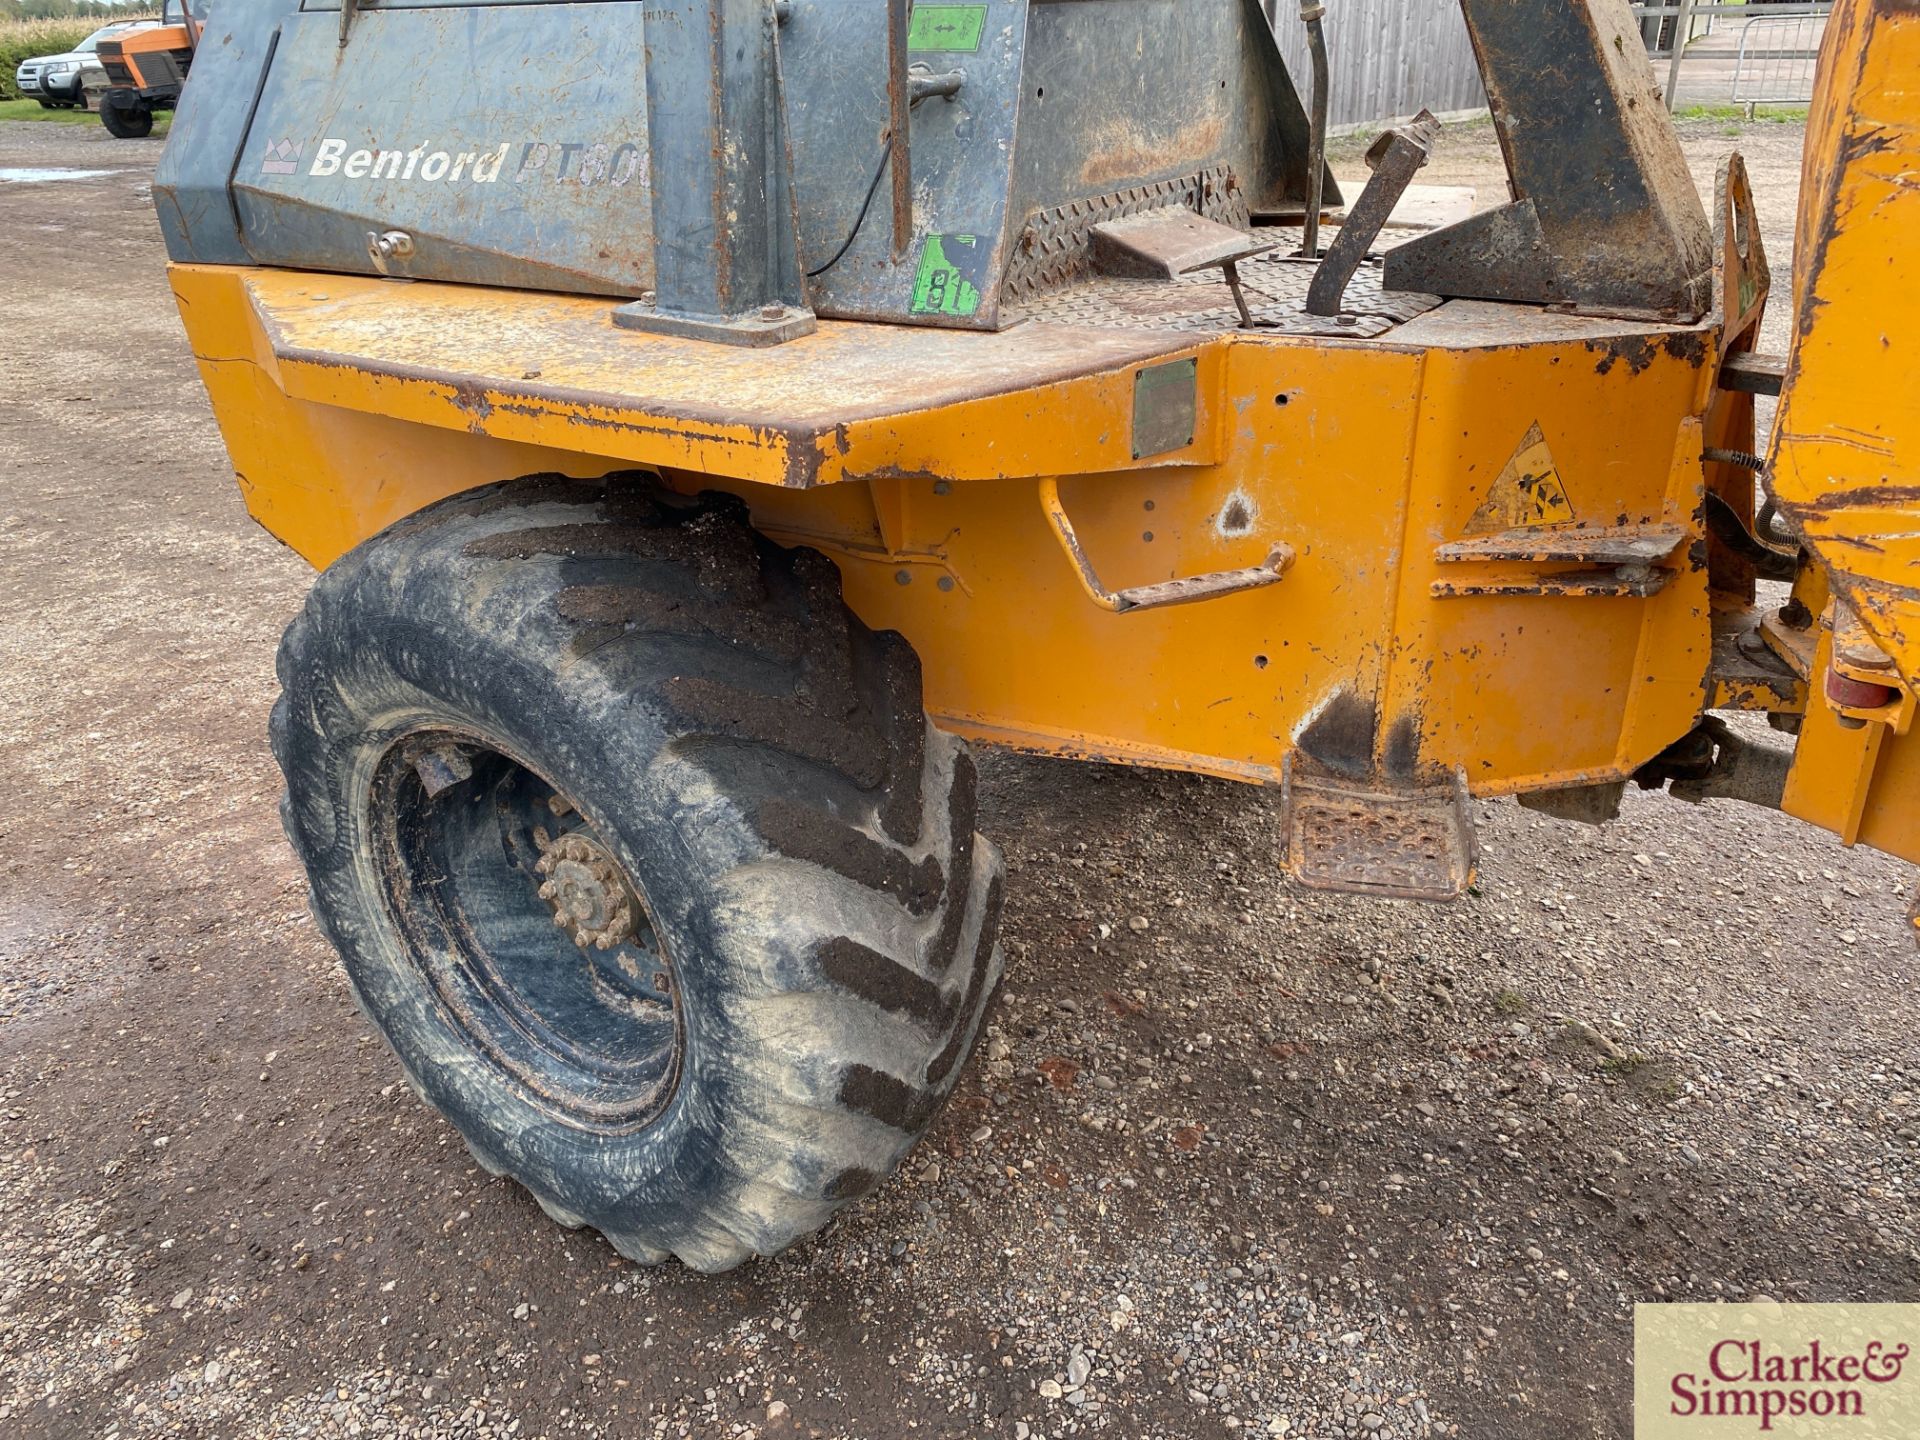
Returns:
(1528, 494)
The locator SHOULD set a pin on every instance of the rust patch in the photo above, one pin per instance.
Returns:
(468, 396)
(1402, 759)
(1129, 155)
(1236, 516)
(1341, 735)
(1636, 350)
(1866, 497)
(1687, 345)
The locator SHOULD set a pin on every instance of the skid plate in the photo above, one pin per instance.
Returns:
(1416, 843)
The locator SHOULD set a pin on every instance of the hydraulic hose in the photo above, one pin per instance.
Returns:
(1311, 12)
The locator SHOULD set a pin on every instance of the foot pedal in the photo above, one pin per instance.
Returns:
(1413, 842)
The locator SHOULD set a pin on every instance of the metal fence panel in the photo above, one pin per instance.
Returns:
(1776, 58)
(1741, 53)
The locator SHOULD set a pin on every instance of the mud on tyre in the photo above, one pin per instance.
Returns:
(640, 851)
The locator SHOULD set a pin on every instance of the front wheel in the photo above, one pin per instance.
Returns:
(133, 123)
(641, 853)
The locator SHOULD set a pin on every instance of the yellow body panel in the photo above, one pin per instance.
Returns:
(1846, 456)
(911, 457)
(1845, 463)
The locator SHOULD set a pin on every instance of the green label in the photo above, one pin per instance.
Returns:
(946, 27)
(951, 269)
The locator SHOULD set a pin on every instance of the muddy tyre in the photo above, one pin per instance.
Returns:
(639, 850)
(133, 123)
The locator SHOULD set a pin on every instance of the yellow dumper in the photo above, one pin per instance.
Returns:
(701, 454)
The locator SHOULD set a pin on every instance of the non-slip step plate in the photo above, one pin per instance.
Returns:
(1415, 843)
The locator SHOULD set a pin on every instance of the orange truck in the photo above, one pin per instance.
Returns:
(146, 70)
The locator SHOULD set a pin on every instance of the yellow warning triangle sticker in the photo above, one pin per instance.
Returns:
(1528, 493)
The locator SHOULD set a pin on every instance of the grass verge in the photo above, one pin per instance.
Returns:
(1758, 114)
(34, 110)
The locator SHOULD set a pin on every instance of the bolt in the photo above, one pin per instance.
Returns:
(1794, 615)
(772, 312)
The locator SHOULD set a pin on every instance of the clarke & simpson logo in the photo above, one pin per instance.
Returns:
(1741, 1378)
(1805, 1371)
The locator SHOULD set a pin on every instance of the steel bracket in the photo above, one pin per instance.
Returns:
(1605, 218)
(727, 251)
(1168, 592)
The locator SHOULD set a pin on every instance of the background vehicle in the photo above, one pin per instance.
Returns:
(623, 731)
(147, 70)
(55, 80)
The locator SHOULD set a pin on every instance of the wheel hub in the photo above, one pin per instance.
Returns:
(583, 886)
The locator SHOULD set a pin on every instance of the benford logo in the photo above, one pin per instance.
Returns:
(1714, 1371)
(282, 157)
(522, 162)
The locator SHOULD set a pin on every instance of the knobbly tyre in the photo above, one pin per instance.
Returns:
(698, 465)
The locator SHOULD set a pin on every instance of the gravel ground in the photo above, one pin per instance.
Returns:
(1235, 1158)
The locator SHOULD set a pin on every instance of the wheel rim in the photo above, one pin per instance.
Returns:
(539, 946)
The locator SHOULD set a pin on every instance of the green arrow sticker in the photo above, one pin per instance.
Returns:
(947, 27)
(948, 281)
